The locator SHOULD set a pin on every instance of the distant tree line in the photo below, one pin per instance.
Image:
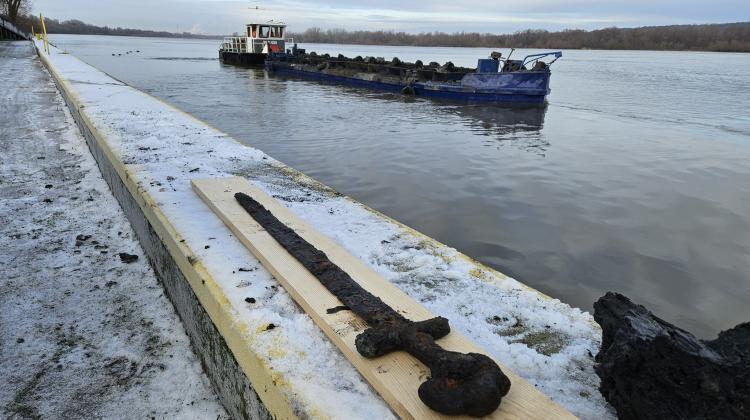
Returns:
(75, 26)
(727, 37)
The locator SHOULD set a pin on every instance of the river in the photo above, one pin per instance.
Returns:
(635, 178)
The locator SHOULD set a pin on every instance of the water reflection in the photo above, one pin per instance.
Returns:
(520, 128)
(197, 59)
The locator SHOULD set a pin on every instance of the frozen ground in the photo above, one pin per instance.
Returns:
(82, 334)
(545, 341)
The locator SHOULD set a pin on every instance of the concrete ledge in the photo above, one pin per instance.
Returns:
(294, 372)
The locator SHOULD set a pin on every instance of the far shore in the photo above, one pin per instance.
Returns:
(714, 37)
(220, 37)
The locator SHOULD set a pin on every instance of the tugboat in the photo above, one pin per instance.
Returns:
(252, 48)
(496, 79)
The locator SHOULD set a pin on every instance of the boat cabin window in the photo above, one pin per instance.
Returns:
(265, 31)
(276, 31)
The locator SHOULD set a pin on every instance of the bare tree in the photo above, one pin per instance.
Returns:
(13, 8)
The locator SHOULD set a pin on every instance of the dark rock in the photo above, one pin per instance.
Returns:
(651, 369)
(128, 258)
(250, 300)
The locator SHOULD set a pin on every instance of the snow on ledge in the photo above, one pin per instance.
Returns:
(545, 341)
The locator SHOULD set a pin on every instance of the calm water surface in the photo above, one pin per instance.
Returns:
(635, 178)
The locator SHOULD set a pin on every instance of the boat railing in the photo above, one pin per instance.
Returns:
(239, 44)
(531, 59)
(7, 27)
(235, 44)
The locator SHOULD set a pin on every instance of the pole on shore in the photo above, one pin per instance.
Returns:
(44, 29)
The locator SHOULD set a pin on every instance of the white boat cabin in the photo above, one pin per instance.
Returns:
(259, 38)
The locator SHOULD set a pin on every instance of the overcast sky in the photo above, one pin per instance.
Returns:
(497, 16)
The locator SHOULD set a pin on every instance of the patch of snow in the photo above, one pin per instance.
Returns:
(543, 340)
(82, 334)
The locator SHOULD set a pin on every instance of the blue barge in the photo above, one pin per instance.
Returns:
(495, 80)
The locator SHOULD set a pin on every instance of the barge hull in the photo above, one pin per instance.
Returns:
(511, 97)
(242, 59)
(515, 99)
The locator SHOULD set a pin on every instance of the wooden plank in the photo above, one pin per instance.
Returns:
(395, 376)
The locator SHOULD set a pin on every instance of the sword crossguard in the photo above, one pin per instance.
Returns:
(460, 383)
(387, 337)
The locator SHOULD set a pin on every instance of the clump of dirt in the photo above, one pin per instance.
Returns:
(128, 258)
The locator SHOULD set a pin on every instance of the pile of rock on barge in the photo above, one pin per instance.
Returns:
(522, 82)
